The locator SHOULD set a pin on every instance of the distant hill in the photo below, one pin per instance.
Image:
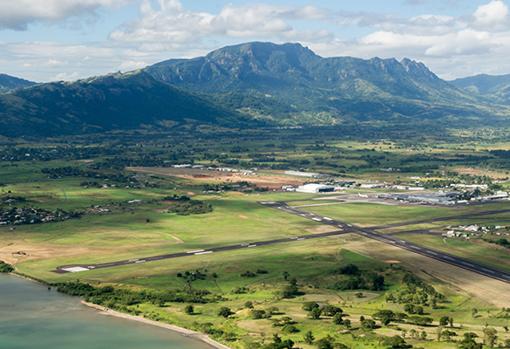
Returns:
(9, 83)
(291, 83)
(117, 101)
(495, 87)
(248, 85)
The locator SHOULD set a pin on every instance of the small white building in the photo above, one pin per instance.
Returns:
(315, 188)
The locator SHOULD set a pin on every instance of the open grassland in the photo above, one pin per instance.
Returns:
(313, 265)
(477, 250)
(145, 231)
(257, 276)
(368, 214)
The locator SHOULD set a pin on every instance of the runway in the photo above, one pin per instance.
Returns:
(342, 228)
(395, 241)
(74, 268)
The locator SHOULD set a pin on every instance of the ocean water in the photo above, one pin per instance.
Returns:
(31, 317)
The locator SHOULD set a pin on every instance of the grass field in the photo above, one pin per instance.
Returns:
(145, 228)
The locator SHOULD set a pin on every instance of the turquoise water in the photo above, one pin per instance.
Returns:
(31, 317)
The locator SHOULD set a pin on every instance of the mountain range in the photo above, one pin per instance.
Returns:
(492, 87)
(253, 83)
(111, 102)
(10, 83)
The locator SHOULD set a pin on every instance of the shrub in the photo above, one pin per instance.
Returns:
(189, 310)
(259, 314)
(225, 312)
(6, 268)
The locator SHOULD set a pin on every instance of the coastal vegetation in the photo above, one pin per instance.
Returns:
(338, 291)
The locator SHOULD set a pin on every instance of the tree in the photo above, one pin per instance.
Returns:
(315, 313)
(468, 342)
(444, 321)
(450, 321)
(385, 316)
(447, 335)
(225, 312)
(258, 314)
(368, 324)
(278, 343)
(310, 305)
(331, 310)
(291, 290)
(338, 319)
(349, 269)
(377, 282)
(396, 342)
(189, 310)
(325, 343)
(490, 336)
(309, 338)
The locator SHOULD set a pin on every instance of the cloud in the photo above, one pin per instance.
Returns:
(131, 65)
(464, 42)
(169, 24)
(477, 41)
(17, 14)
(492, 14)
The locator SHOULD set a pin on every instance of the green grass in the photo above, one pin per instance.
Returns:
(144, 230)
(367, 214)
(476, 250)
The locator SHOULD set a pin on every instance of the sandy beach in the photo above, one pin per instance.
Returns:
(183, 331)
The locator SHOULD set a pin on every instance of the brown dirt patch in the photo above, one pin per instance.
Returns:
(498, 175)
(274, 180)
(18, 252)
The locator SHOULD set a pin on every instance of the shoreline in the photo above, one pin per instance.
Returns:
(114, 313)
(179, 330)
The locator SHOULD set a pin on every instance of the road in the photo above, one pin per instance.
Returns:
(74, 268)
(371, 233)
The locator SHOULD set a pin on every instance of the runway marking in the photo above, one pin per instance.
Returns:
(499, 275)
(201, 253)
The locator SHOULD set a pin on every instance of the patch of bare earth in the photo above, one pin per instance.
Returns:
(18, 252)
(270, 181)
(497, 175)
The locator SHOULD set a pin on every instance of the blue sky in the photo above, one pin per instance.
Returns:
(71, 39)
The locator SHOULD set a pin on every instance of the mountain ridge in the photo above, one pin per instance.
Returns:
(248, 84)
(492, 87)
(103, 103)
(300, 80)
(9, 83)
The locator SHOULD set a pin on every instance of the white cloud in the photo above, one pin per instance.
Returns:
(17, 14)
(492, 14)
(171, 25)
(478, 41)
(131, 65)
